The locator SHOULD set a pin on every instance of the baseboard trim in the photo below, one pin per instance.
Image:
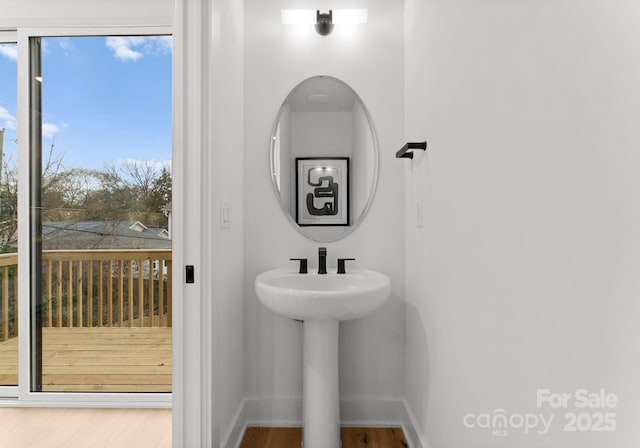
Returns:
(16, 403)
(287, 412)
(411, 434)
(234, 434)
(277, 412)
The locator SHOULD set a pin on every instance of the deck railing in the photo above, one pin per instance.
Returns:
(94, 288)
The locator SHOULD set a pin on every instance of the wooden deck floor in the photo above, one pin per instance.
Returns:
(9, 362)
(98, 360)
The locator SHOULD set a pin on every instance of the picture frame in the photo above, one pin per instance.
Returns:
(322, 191)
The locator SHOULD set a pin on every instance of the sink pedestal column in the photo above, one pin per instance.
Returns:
(321, 397)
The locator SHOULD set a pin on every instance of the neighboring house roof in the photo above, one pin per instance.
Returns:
(103, 235)
(138, 226)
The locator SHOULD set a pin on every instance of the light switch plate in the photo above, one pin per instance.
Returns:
(225, 215)
(189, 274)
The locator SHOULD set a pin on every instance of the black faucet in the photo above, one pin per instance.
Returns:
(303, 265)
(322, 260)
(341, 269)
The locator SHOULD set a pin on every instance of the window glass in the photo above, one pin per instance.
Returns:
(8, 216)
(104, 304)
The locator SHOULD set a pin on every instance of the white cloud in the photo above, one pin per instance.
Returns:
(122, 50)
(49, 130)
(7, 120)
(164, 44)
(132, 48)
(65, 45)
(9, 51)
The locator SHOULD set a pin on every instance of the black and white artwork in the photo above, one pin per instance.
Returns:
(322, 191)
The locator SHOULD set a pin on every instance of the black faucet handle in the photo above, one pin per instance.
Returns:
(303, 265)
(341, 264)
(322, 260)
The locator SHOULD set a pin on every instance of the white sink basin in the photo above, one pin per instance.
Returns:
(321, 301)
(327, 296)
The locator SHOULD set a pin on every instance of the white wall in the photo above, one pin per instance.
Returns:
(225, 172)
(369, 59)
(71, 12)
(315, 133)
(525, 274)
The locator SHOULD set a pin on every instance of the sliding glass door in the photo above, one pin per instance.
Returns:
(8, 214)
(100, 214)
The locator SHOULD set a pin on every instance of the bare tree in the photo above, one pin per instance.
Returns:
(132, 189)
(65, 191)
(52, 168)
(133, 183)
(9, 208)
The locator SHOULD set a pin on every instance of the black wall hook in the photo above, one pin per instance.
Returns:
(407, 150)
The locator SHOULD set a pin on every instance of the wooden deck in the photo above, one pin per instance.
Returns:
(98, 360)
(9, 362)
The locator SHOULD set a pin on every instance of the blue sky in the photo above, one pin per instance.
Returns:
(104, 99)
(8, 88)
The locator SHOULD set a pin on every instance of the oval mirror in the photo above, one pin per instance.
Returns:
(324, 158)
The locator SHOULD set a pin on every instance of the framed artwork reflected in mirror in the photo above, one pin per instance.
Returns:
(322, 191)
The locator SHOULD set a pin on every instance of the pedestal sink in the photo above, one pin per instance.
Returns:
(321, 301)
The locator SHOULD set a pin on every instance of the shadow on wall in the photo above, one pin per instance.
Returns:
(372, 352)
(418, 373)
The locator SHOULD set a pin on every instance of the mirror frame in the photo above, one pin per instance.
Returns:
(326, 234)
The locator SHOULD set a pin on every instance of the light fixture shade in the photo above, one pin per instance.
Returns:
(308, 16)
(298, 16)
(350, 16)
(324, 22)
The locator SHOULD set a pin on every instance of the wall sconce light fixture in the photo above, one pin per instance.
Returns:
(324, 21)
